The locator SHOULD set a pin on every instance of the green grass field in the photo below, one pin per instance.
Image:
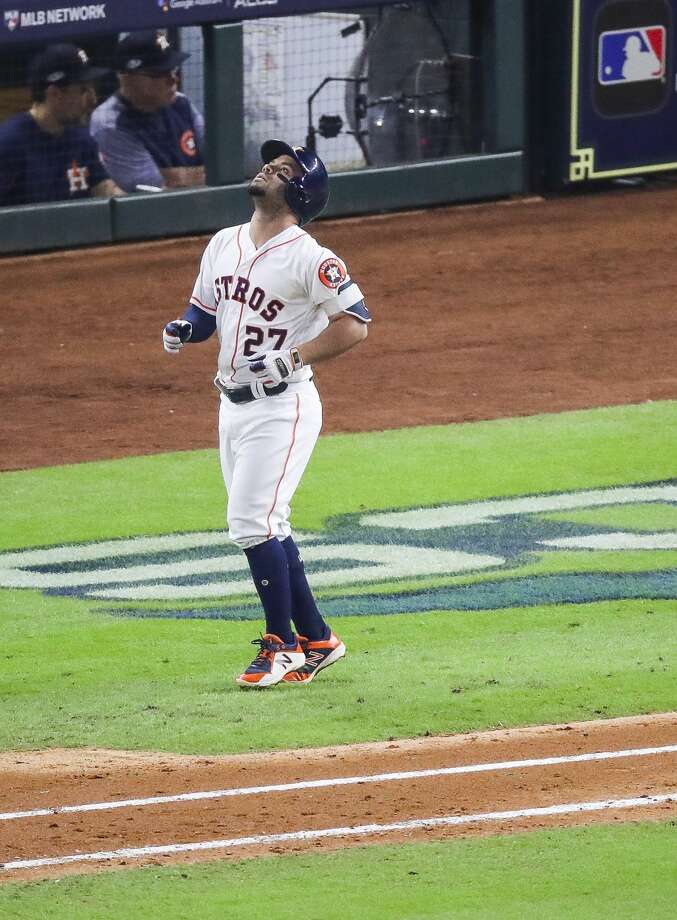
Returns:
(168, 685)
(545, 634)
(593, 873)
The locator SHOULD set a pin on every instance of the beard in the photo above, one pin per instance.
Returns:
(255, 190)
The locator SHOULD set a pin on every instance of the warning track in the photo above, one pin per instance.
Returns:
(72, 811)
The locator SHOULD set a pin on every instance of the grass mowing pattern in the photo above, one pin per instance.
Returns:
(593, 873)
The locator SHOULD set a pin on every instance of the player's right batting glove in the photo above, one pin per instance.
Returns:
(176, 334)
(273, 366)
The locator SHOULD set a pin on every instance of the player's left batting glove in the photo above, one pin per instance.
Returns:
(176, 334)
(275, 366)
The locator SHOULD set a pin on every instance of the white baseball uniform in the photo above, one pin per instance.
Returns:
(268, 299)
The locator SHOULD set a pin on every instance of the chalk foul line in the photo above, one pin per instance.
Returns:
(354, 831)
(340, 781)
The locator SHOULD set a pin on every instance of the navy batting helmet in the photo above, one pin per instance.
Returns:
(307, 194)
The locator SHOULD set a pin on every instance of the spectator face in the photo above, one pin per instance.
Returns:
(72, 104)
(150, 92)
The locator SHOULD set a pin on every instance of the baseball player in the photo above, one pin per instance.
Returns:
(279, 303)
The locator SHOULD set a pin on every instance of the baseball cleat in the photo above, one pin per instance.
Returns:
(319, 654)
(274, 660)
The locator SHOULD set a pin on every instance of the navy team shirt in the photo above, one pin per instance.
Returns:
(136, 145)
(36, 166)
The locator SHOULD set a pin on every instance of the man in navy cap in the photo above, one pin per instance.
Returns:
(47, 153)
(150, 135)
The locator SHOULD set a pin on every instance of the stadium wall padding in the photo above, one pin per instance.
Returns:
(62, 225)
(195, 211)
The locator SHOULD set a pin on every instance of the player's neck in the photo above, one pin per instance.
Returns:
(264, 226)
(45, 120)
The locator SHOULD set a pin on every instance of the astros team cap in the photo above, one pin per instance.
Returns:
(147, 52)
(61, 65)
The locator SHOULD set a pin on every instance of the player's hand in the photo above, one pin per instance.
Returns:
(176, 334)
(275, 366)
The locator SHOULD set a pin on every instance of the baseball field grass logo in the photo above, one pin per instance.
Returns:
(573, 547)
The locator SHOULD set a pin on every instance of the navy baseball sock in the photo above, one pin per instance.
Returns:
(307, 618)
(270, 572)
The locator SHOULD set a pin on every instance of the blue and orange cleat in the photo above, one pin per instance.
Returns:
(319, 654)
(274, 660)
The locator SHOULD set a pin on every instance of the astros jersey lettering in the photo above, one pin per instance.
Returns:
(272, 298)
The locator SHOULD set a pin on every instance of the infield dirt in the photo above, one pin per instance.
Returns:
(480, 312)
(66, 778)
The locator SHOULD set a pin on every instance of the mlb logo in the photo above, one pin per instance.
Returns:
(11, 19)
(632, 55)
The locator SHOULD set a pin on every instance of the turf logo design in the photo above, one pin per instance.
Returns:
(503, 553)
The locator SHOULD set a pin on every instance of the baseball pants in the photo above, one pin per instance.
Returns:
(265, 446)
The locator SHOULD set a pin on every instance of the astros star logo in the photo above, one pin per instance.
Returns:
(332, 273)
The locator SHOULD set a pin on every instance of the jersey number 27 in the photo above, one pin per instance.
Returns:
(255, 337)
